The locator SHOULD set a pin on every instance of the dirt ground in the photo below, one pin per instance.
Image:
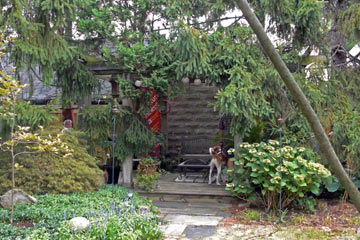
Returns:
(332, 219)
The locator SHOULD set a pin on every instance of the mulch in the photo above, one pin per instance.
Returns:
(27, 224)
(335, 215)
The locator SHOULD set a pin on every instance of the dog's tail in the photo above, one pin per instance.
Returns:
(211, 151)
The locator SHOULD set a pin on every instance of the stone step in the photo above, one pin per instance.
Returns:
(190, 192)
(167, 189)
(193, 208)
(188, 197)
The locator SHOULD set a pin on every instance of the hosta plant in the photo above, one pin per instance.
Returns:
(261, 168)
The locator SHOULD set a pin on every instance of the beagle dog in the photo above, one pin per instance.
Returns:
(217, 157)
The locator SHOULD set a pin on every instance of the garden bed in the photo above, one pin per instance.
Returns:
(332, 219)
(113, 213)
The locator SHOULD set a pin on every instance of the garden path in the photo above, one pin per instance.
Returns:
(202, 211)
(205, 220)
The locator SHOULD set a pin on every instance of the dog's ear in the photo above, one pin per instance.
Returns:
(217, 149)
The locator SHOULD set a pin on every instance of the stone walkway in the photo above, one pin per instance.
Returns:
(199, 220)
(211, 221)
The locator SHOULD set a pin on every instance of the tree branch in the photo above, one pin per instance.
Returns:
(237, 18)
(25, 152)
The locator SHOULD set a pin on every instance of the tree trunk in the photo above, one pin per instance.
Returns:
(303, 103)
(12, 130)
(336, 35)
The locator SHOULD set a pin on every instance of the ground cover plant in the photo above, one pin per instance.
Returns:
(112, 211)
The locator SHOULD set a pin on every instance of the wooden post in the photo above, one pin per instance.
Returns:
(114, 87)
(85, 101)
(127, 164)
(164, 125)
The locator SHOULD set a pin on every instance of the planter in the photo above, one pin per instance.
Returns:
(147, 173)
(148, 168)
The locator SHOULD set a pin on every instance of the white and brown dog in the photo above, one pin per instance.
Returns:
(217, 157)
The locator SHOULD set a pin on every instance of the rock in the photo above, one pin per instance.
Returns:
(19, 197)
(144, 210)
(79, 223)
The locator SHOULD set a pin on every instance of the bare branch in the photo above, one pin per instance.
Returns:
(237, 18)
(25, 152)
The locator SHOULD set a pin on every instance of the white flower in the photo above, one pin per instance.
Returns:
(230, 185)
(274, 142)
(277, 178)
(253, 150)
(231, 150)
(301, 149)
(266, 160)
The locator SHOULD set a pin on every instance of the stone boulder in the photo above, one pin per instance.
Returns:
(79, 223)
(19, 197)
(143, 210)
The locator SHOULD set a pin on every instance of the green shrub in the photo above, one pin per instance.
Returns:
(112, 212)
(114, 227)
(147, 181)
(147, 173)
(262, 167)
(52, 173)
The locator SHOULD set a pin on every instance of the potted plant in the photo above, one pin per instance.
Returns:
(147, 173)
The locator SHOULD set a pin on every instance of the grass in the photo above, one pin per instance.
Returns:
(311, 233)
(251, 215)
(116, 207)
(298, 220)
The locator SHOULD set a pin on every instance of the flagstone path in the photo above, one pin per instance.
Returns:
(203, 220)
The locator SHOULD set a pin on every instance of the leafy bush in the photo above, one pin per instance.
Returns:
(112, 211)
(53, 173)
(147, 173)
(114, 226)
(263, 167)
(335, 185)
